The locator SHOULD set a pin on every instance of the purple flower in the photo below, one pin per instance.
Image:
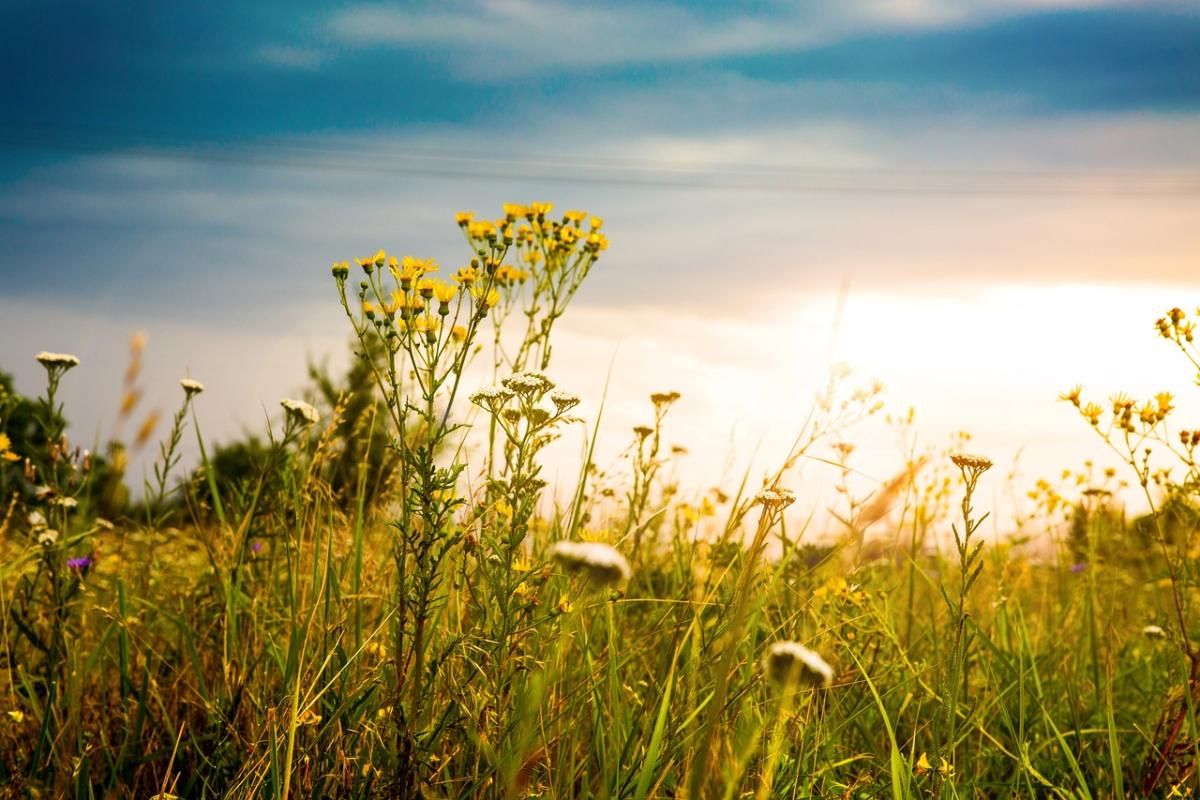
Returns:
(1078, 567)
(256, 548)
(81, 563)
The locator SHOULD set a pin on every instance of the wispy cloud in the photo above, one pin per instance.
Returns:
(497, 39)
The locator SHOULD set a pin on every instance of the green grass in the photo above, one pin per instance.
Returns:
(291, 631)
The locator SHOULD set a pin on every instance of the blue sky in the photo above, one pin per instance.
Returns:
(191, 169)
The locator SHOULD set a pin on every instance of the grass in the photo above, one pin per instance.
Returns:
(297, 630)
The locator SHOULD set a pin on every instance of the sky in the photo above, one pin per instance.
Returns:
(978, 202)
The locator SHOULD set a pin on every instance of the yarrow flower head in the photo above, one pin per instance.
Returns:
(971, 462)
(491, 398)
(191, 387)
(789, 662)
(776, 499)
(1154, 632)
(47, 537)
(57, 360)
(300, 411)
(68, 503)
(599, 562)
(526, 383)
(563, 401)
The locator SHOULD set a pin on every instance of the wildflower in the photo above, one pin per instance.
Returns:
(36, 520)
(308, 717)
(466, 276)
(786, 662)
(1154, 632)
(664, 398)
(463, 218)
(256, 547)
(299, 411)
(563, 401)
(62, 361)
(922, 766)
(1079, 566)
(526, 383)
(68, 503)
(491, 398)
(47, 537)
(601, 563)
(458, 333)
(642, 431)
(191, 387)
(1072, 395)
(596, 223)
(776, 499)
(540, 209)
(341, 270)
(512, 211)
(16, 715)
(945, 767)
(367, 263)
(80, 564)
(6, 451)
(974, 463)
(1092, 413)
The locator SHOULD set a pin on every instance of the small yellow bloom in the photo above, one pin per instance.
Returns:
(512, 211)
(6, 449)
(922, 766)
(1092, 413)
(463, 218)
(945, 767)
(596, 222)
(540, 209)
(308, 717)
(458, 333)
(16, 715)
(575, 215)
(444, 292)
(466, 276)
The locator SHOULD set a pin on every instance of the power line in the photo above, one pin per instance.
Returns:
(349, 158)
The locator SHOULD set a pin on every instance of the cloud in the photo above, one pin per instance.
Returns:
(522, 37)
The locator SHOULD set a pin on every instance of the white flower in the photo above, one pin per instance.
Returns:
(527, 383)
(300, 411)
(1154, 632)
(56, 360)
(47, 537)
(601, 563)
(773, 499)
(36, 519)
(491, 397)
(563, 401)
(69, 503)
(788, 661)
(191, 387)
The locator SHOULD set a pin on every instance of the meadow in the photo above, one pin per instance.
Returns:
(383, 597)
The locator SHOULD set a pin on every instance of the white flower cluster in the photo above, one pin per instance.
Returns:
(491, 398)
(300, 411)
(600, 563)
(191, 387)
(776, 499)
(527, 383)
(788, 661)
(42, 533)
(57, 360)
(563, 401)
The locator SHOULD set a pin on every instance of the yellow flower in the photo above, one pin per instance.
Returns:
(481, 230)
(368, 307)
(540, 209)
(466, 276)
(6, 449)
(1072, 395)
(444, 292)
(308, 717)
(564, 605)
(16, 715)
(380, 257)
(512, 211)
(597, 241)
(458, 333)
(575, 216)
(485, 300)
(1092, 413)
(945, 767)
(922, 766)
(596, 222)
(463, 218)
